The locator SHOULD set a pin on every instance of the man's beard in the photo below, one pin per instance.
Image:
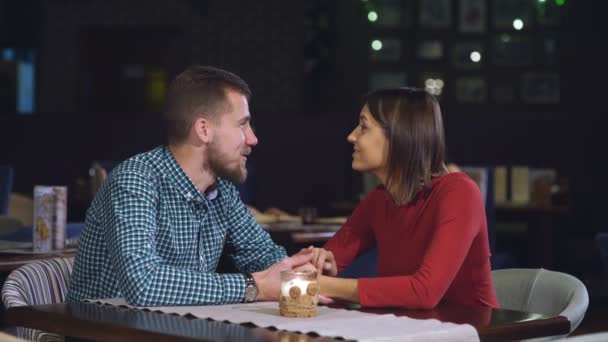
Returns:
(219, 166)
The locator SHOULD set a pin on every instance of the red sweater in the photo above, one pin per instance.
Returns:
(435, 248)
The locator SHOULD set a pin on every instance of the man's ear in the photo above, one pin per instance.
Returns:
(203, 128)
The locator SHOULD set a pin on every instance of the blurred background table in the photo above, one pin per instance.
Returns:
(294, 234)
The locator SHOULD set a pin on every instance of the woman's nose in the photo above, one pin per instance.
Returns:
(351, 137)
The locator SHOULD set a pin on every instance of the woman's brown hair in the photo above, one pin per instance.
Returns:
(411, 120)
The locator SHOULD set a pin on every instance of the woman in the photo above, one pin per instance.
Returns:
(429, 225)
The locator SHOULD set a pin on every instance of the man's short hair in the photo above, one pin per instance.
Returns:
(198, 91)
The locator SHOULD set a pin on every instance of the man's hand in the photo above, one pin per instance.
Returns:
(269, 280)
(323, 260)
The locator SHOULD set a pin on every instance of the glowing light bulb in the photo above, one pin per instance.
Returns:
(475, 56)
(377, 45)
(372, 16)
(434, 86)
(518, 24)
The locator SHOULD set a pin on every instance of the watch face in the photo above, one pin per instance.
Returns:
(251, 293)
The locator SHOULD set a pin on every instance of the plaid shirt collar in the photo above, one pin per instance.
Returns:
(183, 183)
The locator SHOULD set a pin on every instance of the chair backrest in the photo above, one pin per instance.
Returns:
(40, 282)
(595, 337)
(542, 291)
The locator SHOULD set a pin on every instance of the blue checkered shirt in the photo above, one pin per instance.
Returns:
(150, 236)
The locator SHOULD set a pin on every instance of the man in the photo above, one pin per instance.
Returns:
(156, 228)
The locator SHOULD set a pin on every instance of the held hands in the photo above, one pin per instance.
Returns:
(324, 261)
(269, 280)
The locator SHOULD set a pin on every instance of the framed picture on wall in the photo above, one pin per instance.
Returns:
(471, 90)
(506, 11)
(540, 87)
(435, 14)
(386, 79)
(472, 16)
(429, 50)
(393, 13)
(468, 55)
(386, 49)
(512, 50)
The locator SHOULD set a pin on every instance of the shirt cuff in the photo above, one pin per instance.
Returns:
(234, 287)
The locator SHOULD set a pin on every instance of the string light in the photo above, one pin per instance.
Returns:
(518, 24)
(475, 56)
(372, 16)
(377, 45)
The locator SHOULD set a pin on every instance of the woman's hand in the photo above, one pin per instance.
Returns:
(323, 260)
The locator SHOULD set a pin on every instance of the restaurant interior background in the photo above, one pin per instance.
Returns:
(521, 84)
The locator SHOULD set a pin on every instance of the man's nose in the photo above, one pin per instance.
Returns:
(251, 139)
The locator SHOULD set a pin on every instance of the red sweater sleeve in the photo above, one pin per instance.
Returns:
(459, 211)
(356, 235)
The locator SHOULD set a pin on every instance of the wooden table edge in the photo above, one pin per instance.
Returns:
(551, 326)
(16, 316)
(21, 316)
(17, 260)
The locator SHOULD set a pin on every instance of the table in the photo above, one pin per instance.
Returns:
(295, 235)
(10, 262)
(103, 322)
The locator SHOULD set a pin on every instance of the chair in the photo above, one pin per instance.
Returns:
(41, 282)
(595, 337)
(542, 291)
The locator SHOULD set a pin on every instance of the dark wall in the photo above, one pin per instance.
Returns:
(586, 131)
(302, 114)
(259, 41)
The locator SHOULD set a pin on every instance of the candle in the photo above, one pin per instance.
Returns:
(299, 294)
(299, 283)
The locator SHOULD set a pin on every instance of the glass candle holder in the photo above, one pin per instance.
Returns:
(299, 294)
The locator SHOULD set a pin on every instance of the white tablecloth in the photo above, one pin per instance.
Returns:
(348, 324)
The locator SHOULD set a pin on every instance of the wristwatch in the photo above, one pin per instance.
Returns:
(251, 289)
